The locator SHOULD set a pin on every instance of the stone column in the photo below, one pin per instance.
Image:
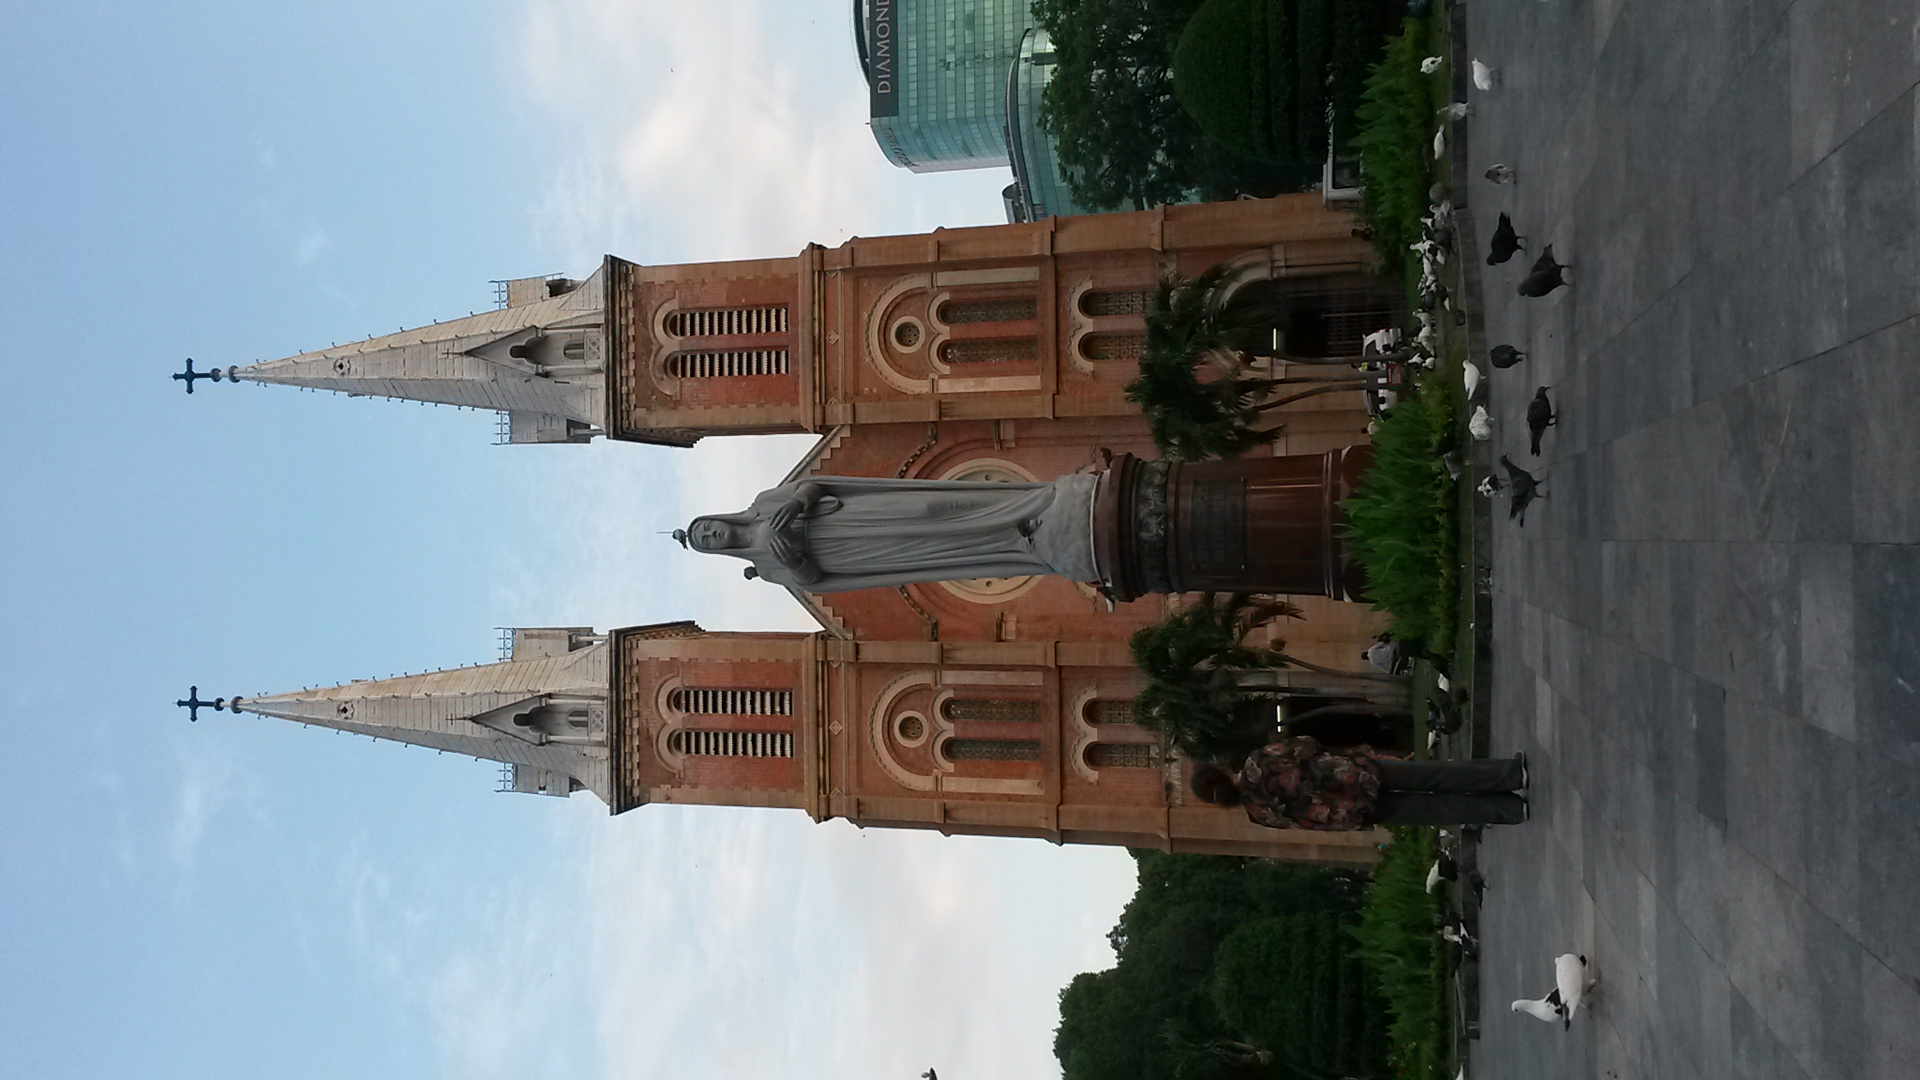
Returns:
(1267, 525)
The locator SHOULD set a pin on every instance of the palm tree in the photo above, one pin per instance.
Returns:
(1209, 693)
(1200, 323)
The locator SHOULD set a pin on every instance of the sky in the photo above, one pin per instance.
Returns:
(240, 897)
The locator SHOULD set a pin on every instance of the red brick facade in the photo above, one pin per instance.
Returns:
(995, 352)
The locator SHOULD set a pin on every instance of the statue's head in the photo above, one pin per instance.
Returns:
(714, 534)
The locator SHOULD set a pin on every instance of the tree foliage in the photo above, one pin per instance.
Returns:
(1120, 133)
(1155, 1015)
(1191, 660)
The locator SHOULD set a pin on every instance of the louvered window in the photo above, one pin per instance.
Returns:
(752, 744)
(727, 363)
(992, 750)
(1114, 302)
(988, 352)
(1108, 755)
(733, 702)
(719, 322)
(1113, 346)
(1106, 711)
(994, 711)
(1006, 309)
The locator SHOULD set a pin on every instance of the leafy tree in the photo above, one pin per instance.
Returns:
(1121, 136)
(1290, 981)
(1206, 324)
(1203, 691)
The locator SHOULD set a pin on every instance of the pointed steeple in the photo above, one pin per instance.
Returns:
(540, 359)
(542, 712)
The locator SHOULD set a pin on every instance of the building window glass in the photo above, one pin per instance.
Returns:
(751, 744)
(1005, 309)
(720, 322)
(1113, 346)
(992, 750)
(998, 711)
(727, 363)
(989, 352)
(1107, 755)
(1114, 302)
(732, 702)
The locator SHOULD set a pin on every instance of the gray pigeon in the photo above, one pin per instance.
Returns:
(1545, 275)
(1540, 416)
(1505, 356)
(1505, 242)
(1501, 174)
(1524, 487)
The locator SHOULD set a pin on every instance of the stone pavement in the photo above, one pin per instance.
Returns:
(1708, 637)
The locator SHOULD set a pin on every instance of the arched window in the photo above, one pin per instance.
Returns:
(1110, 711)
(1113, 346)
(998, 350)
(715, 702)
(992, 750)
(721, 322)
(574, 350)
(1112, 755)
(727, 363)
(752, 744)
(993, 711)
(1002, 309)
(1107, 302)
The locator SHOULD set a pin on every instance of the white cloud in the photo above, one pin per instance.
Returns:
(312, 243)
(212, 779)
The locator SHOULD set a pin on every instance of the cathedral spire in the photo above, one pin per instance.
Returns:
(540, 358)
(542, 713)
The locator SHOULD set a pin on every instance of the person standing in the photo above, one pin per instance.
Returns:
(1298, 784)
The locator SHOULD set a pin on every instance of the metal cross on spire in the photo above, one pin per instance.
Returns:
(190, 376)
(193, 704)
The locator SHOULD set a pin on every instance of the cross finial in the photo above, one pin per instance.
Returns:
(193, 703)
(190, 376)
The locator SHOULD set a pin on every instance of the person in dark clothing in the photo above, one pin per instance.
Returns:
(1297, 784)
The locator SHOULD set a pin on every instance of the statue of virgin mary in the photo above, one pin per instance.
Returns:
(834, 533)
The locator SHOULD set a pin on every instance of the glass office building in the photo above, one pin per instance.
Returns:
(937, 78)
(1039, 188)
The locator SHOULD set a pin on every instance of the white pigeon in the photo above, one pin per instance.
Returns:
(1433, 743)
(1380, 341)
(1430, 65)
(1484, 77)
(1570, 982)
(1544, 1009)
(1439, 143)
(1470, 375)
(1488, 486)
(1459, 110)
(1480, 425)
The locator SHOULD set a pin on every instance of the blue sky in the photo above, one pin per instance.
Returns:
(240, 897)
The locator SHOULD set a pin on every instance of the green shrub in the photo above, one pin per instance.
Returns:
(1401, 522)
(1396, 938)
(1291, 981)
(1234, 72)
(1396, 120)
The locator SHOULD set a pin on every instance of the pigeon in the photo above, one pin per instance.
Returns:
(929, 1075)
(1456, 934)
(1439, 143)
(1430, 65)
(1490, 485)
(1505, 356)
(1480, 425)
(1433, 741)
(1484, 77)
(1444, 869)
(1505, 242)
(1539, 417)
(1458, 110)
(1570, 984)
(1501, 174)
(1545, 276)
(1525, 490)
(1470, 375)
(1546, 1008)
(1455, 464)
(1380, 341)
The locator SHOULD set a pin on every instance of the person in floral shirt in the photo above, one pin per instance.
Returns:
(1297, 784)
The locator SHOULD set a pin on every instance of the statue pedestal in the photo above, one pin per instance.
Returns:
(1266, 525)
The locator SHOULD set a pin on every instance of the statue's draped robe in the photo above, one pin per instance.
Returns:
(874, 533)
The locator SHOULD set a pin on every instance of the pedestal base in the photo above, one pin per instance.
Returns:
(1267, 525)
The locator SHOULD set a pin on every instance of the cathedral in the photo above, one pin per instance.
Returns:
(992, 706)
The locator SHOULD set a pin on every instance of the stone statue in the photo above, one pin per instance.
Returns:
(834, 533)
